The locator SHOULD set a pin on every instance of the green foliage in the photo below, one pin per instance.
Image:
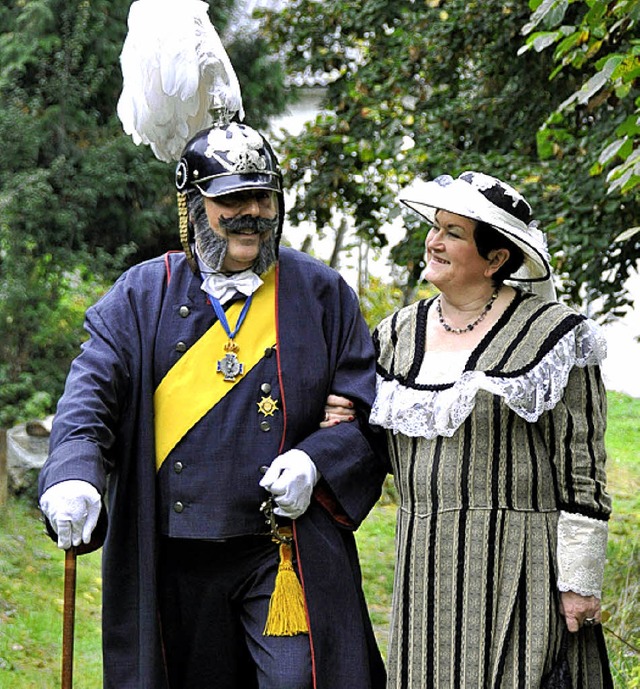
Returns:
(41, 314)
(79, 202)
(379, 300)
(599, 41)
(432, 88)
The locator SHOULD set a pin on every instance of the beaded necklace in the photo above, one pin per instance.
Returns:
(471, 326)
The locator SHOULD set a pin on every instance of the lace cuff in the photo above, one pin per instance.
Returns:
(582, 552)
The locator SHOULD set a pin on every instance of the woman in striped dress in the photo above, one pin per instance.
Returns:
(495, 415)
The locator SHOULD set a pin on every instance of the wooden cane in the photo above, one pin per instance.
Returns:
(68, 618)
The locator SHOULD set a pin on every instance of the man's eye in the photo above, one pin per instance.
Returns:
(241, 198)
(228, 200)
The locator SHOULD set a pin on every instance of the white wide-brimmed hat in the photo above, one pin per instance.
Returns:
(486, 199)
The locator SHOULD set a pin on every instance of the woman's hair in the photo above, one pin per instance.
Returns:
(487, 239)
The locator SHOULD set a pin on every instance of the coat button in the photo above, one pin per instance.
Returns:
(181, 347)
(184, 311)
(178, 467)
(178, 507)
(265, 388)
(265, 426)
(268, 352)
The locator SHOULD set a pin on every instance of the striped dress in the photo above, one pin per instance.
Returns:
(484, 467)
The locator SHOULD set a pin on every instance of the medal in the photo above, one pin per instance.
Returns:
(267, 406)
(229, 365)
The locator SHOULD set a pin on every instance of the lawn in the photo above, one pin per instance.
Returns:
(31, 578)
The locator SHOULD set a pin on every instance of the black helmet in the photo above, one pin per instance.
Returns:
(228, 158)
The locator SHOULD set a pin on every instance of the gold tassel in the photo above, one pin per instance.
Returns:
(286, 608)
(183, 224)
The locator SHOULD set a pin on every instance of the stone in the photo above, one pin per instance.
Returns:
(27, 450)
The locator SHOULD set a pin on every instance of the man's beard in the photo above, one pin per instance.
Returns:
(212, 247)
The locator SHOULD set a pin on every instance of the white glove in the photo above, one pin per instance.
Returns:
(291, 479)
(72, 507)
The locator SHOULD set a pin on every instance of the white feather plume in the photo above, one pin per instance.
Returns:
(175, 71)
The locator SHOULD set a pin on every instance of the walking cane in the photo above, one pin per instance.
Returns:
(68, 617)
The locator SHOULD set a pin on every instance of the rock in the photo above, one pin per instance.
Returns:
(27, 449)
(39, 428)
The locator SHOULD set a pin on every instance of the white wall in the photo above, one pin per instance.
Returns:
(621, 369)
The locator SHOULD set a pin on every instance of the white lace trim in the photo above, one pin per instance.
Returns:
(582, 552)
(429, 413)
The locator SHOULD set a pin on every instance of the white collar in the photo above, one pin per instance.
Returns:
(223, 287)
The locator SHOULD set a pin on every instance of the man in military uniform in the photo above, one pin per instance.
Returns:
(196, 400)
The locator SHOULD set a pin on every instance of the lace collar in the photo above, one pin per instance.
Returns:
(531, 382)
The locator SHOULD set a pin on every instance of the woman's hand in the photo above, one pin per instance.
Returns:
(579, 610)
(336, 410)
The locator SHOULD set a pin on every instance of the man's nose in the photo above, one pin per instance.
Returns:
(251, 206)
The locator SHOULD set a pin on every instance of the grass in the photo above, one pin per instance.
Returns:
(31, 578)
(31, 590)
(621, 595)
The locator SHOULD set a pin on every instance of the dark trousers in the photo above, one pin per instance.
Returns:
(214, 598)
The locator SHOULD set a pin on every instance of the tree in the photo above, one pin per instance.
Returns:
(602, 44)
(439, 87)
(78, 200)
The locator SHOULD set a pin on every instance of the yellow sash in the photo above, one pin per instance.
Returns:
(193, 386)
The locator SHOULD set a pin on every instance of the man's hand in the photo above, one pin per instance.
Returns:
(291, 479)
(336, 410)
(72, 507)
(579, 610)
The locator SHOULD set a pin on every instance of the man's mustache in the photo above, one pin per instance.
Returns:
(248, 222)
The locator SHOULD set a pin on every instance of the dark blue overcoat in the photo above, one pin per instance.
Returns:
(104, 433)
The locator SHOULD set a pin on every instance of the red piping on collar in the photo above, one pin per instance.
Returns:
(167, 263)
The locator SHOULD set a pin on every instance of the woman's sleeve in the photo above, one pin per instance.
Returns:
(579, 424)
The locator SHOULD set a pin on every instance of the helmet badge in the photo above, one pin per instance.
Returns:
(237, 149)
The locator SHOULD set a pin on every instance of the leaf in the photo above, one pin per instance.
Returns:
(593, 85)
(550, 11)
(544, 39)
(611, 151)
(556, 13)
(566, 45)
(596, 13)
(624, 236)
(544, 144)
(630, 126)
(619, 182)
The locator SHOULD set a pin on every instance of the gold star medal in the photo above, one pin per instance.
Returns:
(267, 406)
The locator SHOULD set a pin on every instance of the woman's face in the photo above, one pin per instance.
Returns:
(452, 257)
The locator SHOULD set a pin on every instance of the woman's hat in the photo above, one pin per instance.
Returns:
(486, 199)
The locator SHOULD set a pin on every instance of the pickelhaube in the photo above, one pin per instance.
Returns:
(224, 159)
(228, 158)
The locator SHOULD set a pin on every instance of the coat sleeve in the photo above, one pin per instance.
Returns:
(350, 456)
(96, 395)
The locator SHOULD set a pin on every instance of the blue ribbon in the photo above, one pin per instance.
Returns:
(222, 316)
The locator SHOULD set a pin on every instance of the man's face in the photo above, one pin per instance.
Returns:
(237, 219)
